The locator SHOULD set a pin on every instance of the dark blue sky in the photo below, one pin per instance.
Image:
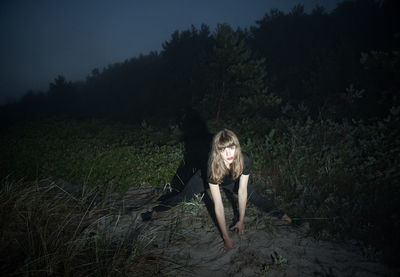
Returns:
(41, 39)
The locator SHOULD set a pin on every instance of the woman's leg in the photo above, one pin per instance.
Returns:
(260, 202)
(194, 186)
(263, 203)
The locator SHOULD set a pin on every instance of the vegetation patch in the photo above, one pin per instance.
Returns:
(90, 152)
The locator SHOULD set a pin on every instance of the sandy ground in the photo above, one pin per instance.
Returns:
(185, 241)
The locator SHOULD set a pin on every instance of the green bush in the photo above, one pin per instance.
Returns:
(344, 176)
(94, 153)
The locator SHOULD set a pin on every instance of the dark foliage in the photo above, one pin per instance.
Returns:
(311, 59)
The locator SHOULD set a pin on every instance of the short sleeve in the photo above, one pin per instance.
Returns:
(246, 164)
(209, 178)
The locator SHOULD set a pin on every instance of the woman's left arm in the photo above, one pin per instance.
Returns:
(242, 199)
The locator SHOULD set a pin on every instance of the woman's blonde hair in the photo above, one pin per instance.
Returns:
(217, 168)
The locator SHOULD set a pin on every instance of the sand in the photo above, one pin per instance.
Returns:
(185, 241)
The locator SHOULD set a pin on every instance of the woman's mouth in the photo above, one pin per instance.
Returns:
(230, 159)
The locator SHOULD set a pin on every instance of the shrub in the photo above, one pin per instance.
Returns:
(91, 152)
(344, 176)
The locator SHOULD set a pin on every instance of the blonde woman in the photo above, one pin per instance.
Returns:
(228, 168)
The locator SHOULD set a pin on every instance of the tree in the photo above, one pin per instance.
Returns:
(62, 97)
(183, 58)
(234, 76)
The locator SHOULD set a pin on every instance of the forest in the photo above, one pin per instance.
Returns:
(313, 97)
(340, 64)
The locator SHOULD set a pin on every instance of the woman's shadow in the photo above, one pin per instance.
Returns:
(197, 144)
(197, 141)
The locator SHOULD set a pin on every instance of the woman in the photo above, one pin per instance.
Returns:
(229, 168)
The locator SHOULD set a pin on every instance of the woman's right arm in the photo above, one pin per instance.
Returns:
(220, 215)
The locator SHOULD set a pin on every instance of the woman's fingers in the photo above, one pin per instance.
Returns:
(239, 226)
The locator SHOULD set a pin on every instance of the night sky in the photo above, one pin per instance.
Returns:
(41, 39)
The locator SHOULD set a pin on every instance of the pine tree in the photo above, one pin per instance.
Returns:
(236, 80)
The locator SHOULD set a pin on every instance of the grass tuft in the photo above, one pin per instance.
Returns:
(46, 233)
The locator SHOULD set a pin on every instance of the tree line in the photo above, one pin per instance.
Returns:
(342, 63)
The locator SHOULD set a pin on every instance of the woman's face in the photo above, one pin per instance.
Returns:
(228, 154)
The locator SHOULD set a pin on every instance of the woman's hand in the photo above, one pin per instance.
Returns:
(287, 218)
(228, 244)
(239, 226)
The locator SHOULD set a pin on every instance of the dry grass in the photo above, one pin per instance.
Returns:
(46, 231)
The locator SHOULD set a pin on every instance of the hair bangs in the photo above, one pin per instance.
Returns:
(225, 141)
